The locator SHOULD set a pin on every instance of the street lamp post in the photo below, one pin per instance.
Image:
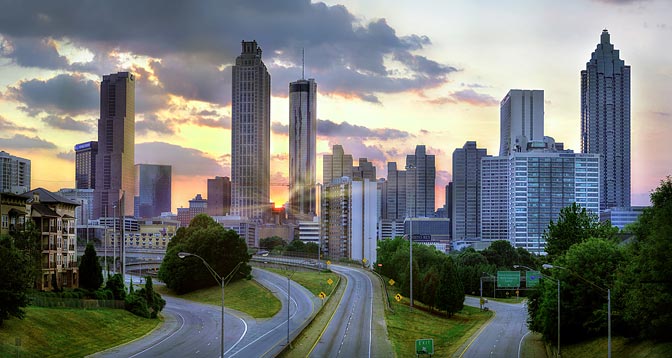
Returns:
(410, 239)
(558, 282)
(608, 290)
(114, 237)
(219, 280)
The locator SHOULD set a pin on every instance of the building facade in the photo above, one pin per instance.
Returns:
(467, 191)
(219, 196)
(14, 174)
(85, 165)
(197, 205)
(365, 170)
(336, 165)
(153, 190)
(115, 162)
(302, 148)
(605, 120)
(420, 181)
(521, 120)
(250, 134)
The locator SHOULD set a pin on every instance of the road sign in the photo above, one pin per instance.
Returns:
(364, 260)
(532, 278)
(328, 262)
(322, 295)
(398, 297)
(330, 281)
(424, 346)
(508, 279)
(391, 282)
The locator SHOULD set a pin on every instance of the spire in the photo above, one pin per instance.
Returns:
(604, 38)
(303, 63)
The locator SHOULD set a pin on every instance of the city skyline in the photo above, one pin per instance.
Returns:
(387, 81)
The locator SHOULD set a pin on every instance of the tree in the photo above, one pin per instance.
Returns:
(90, 271)
(270, 243)
(115, 284)
(501, 254)
(575, 224)
(296, 246)
(450, 291)
(16, 277)
(221, 248)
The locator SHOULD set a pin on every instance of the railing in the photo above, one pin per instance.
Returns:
(41, 301)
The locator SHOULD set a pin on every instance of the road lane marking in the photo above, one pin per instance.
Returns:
(478, 333)
(520, 345)
(163, 340)
(329, 322)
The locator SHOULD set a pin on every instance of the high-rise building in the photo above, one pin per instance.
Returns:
(115, 162)
(396, 193)
(466, 191)
(605, 120)
(494, 201)
(449, 206)
(153, 190)
(250, 135)
(420, 180)
(336, 165)
(521, 120)
(197, 205)
(365, 170)
(14, 174)
(219, 196)
(302, 148)
(85, 165)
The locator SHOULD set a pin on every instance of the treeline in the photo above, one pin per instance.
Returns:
(435, 279)
(589, 260)
(280, 246)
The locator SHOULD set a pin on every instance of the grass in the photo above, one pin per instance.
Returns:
(620, 347)
(507, 300)
(405, 325)
(243, 295)
(67, 332)
(314, 281)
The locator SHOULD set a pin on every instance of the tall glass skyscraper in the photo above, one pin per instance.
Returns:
(250, 135)
(153, 190)
(521, 120)
(115, 161)
(467, 191)
(302, 152)
(85, 165)
(605, 120)
(420, 180)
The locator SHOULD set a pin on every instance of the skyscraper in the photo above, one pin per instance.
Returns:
(420, 180)
(336, 165)
(605, 120)
(85, 165)
(219, 196)
(521, 120)
(153, 190)
(302, 152)
(396, 193)
(466, 191)
(250, 134)
(365, 170)
(115, 161)
(14, 174)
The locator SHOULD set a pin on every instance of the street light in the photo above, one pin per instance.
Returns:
(608, 290)
(558, 281)
(220, 281)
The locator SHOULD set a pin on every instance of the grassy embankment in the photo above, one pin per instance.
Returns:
(68, 332)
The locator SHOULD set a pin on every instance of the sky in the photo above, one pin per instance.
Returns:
(391, 74)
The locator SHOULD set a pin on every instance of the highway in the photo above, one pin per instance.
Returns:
(502, 336)
(192, 329)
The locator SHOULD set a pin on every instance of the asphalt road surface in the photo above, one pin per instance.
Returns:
(193, 329)
(348, 334)
(501, 337)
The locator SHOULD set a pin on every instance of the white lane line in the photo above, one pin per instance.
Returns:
(371, 316)
(163, 340)
(241, 336)
(520, 345)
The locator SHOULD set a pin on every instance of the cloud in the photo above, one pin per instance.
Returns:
(620, 2)
(222, 122)
(7, 125)
(33, 52)
(374, 153)
(328, 128)
(279, 128)
(280, 156)
(185, 161)
(20, 141)
(63, 94)
(187, 77)
(151, 123)
(70, 124)
(69, 156)
(468, 96)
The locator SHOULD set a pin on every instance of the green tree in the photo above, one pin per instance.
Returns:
(221, 248)
(501, 254)
(645, 284)
(270, 243)
(90, 271)
(450, 291)
(16, 277)
(296, 246)
(575, 224)
(115, 284)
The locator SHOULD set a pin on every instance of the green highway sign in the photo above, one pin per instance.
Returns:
(508, 279)
(424, 346)
(532, 278)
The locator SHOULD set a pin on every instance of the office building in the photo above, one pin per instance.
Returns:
(521, 120)
(396, 193)
(302, 149)
(336, 165)
(197, 205)
(449, 205)
(605, 120)
(14, 174)
(83, 197)
(365, 170)
(85, 165)
(250, 135)
(309, 231)
(467, 191)
(153, 190)
(219, 196)
(494, 192)
(621, 217)
(115, 161)
(420, 181)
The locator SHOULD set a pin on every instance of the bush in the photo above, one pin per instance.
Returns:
(103, 294)
(137, 305)
(115, 284)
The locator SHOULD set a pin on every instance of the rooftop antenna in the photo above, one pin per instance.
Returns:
(303, 63)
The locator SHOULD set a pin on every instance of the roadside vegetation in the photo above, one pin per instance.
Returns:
(313, 281)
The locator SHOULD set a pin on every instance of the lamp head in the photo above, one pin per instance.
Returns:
(183, 254)
(516, 266)
(547, 266)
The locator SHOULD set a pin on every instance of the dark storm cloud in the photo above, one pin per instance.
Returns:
(7, 125)
(70, 124)
(63, 94)
(149, 96)
(152, 123)
(327, 128)
(185, 161)
(33, 52)
(197, 39)
(20, 141)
